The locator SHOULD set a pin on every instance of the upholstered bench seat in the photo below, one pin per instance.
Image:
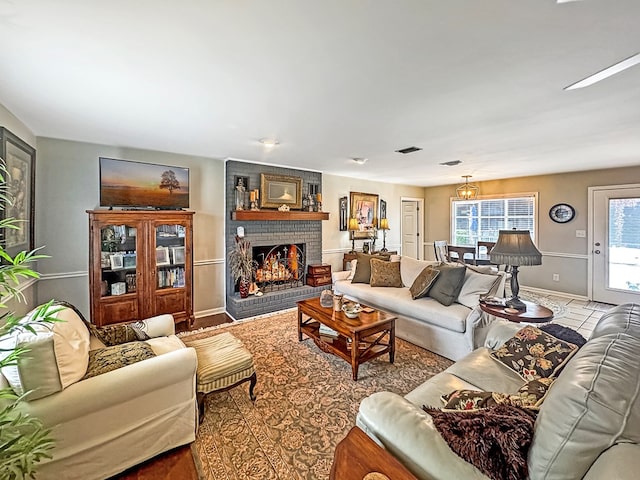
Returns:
(223, 363)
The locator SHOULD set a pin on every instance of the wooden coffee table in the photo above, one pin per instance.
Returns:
(359, 340)
(357, 457)
(534, 314)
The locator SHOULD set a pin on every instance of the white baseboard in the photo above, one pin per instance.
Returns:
(209, 312)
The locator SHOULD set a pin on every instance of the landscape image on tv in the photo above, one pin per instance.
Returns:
(124, 183)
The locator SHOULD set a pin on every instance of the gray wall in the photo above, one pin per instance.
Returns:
(67, 185)
(563, 252)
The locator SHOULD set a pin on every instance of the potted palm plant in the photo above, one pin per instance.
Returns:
(242, 265)
(24, 441)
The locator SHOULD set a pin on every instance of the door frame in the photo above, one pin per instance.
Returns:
(420, 223)
(590, 227)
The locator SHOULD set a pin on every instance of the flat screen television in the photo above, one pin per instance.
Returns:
(124, 183)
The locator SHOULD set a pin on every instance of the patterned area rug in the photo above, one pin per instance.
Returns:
(559, 310)
(306, 403)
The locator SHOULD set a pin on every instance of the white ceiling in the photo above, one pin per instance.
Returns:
(474, 80)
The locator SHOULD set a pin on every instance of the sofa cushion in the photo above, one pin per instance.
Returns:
(594, 404)
(410, 268)
(533, 353)
(111, 358)
(363, 267)
(58, 354)
(423, 282)
(476, 284)
(448, 284)
(624, 318)
(398, 301)
(481, 370)
(385, 274)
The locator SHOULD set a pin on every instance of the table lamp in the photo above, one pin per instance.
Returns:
(515, 248)
(384, 226)
(353, 227)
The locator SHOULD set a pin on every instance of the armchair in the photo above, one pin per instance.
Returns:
(107, 423)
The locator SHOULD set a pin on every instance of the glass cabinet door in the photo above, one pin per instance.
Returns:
(118, 259)
(170, 256)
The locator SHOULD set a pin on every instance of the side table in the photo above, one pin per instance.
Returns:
(357, 456)
(533, 314)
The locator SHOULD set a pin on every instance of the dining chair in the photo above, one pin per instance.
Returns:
(483, 248)
(463, 254)
(441, 250)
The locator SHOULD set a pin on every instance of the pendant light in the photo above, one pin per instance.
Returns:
(467, 191)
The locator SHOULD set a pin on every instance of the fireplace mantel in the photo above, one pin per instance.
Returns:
(269, 215)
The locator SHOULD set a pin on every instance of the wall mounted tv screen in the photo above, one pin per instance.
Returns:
(124, 183)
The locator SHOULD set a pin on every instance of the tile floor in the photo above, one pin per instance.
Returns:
(582, 315)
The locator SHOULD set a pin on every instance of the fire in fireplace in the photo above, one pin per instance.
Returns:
(280, 266)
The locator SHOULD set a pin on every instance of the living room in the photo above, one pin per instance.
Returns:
(596, 152)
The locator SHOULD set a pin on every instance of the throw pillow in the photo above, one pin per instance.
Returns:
(495, 440)
(474, 285)
(106, 359)
(530, 395)
(564, 333)
(57, 354)
(532, 353)
(423, 282)
(385, 274)
(447, 286)
(120, 333)
(352, 269)
(363, 267)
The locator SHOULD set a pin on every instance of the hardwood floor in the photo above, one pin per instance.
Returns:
(176, 464)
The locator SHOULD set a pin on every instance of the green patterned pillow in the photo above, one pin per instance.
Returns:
(385, 274)
(532, 353)
(106, 359)
(423, 282)
(116, 334)
(530, 395)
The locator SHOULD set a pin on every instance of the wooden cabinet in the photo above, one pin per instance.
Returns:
(140, 265)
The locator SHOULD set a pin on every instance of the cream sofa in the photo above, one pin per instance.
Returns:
(107, 423)
(451, 331)
(588, 426)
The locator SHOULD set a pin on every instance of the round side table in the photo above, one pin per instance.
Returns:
(533, 314)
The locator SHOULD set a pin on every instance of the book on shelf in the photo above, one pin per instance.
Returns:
(326, 331)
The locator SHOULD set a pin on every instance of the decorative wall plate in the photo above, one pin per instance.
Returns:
(562, 213)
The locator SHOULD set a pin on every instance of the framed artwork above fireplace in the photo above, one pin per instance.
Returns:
(278, 190)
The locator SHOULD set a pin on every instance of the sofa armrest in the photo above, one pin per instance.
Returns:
(408, 433)
(159, 326)
(622, 462)
(337, 276)
(499, 332)
(117, 386)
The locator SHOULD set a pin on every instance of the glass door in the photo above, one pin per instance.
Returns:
(118, 260)
(616, 244)
(170, 256)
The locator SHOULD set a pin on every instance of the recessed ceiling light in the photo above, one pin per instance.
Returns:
(360, 160)
(269, 142)
(606, 73)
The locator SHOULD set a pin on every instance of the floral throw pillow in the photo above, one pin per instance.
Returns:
(530, 395)
(533, 354)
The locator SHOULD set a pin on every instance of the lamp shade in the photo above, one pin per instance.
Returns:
(384, 224)
(353, 224)
(515, 247)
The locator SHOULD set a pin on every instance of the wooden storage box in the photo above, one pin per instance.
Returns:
(318, 275)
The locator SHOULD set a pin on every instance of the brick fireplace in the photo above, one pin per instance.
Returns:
(283, 277)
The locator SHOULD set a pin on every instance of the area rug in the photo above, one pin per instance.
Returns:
(558, 310)
(306, 403)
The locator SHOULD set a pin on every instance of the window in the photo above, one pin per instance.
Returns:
(482, 219)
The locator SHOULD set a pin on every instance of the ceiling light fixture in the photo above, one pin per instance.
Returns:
(467, 191)
(451, 163)
(359, 160)
(269, 142)
(606, 73)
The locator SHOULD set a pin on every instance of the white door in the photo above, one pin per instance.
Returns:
(616, 244)
(410, 235)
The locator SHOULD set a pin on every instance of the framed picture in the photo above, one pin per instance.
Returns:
(364, 207)
(383, 209)
(116, 261)
(343, 214)
(129, 260)
(162, 256)
(280, 190)
(177, 253)
(18, 201)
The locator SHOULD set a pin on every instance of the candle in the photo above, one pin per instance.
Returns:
(319, 198)
(257, 194)
(252, 196)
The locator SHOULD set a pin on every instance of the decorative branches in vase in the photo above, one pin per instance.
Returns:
(242, 265)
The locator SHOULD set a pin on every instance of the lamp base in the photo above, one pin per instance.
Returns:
(515, 302)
